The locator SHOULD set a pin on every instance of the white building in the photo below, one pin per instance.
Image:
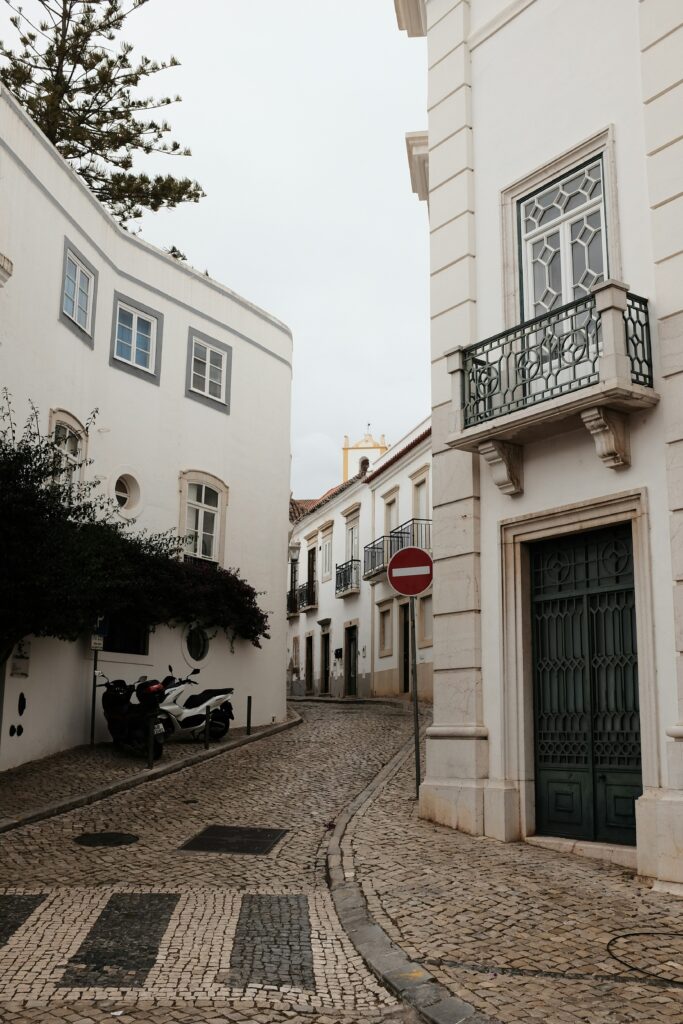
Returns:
(552, 166)
(348, 631)
(177, 364)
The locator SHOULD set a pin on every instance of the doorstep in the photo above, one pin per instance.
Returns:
(624, 856)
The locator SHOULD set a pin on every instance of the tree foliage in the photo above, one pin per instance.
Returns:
(83, 93)
(67, 556)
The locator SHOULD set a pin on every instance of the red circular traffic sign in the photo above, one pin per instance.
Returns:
(410, 571)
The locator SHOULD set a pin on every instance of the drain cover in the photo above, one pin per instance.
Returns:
(106, 839)
(235, 839)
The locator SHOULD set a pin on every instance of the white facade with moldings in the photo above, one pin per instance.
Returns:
(557, 430)
(176, 364)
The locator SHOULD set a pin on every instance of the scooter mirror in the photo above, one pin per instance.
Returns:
(195, 671)
(170, 669)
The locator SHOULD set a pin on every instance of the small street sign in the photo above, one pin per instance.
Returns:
(96, 642)
(410, 572)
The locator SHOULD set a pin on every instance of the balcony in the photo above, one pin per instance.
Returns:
(308, 596)
(347, 580)
(414, 533)
(585, 364)
(292, 602)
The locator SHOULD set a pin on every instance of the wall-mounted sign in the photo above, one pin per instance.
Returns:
(96, 642)
(21, 659)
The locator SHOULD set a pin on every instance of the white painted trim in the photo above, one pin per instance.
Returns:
(601, 143)
(490, 28)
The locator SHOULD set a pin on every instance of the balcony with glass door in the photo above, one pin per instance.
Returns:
(347, 578)
(376, 556)
(308, 596)
(580, 356)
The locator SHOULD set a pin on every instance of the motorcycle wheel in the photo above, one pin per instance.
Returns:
(219, 724)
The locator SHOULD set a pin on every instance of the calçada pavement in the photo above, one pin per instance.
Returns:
(149, 932)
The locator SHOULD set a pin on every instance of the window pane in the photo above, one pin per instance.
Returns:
(215, 389)
(144, 328)
(124, 351)
(211, 497)
(207, 534)
(216, 359)
(199, 352)
(215, 373)
(125, 319)
(198, 382)
(71, 273)
(195, 493)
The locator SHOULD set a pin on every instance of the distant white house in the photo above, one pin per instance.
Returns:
(192, 383)
(348, 631)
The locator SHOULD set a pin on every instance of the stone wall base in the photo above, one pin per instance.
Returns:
(458, 804)
(659, 829)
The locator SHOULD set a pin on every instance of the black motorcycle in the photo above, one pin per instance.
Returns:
(129, 722)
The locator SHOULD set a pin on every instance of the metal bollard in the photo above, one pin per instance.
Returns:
(150, 741)
(248, 716)
(207, 725)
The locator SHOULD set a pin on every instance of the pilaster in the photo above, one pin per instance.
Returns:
(660, 811)
(457, 743)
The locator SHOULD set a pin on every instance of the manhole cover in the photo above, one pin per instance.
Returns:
(106, 839)
(659, 954)
(235, 839)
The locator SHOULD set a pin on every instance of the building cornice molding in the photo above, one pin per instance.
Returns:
(412, 16)
(417, 146)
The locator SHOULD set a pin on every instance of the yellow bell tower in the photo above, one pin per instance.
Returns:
(367, 448)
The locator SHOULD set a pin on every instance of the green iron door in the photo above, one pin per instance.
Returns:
(586, 718)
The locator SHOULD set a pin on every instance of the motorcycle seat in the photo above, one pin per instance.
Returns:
(195, 699)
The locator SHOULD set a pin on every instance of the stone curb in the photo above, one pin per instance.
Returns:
(148, 775)
(389, 701)
(406, 978)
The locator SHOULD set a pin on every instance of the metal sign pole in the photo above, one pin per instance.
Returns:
(413, 656)
(94, 698)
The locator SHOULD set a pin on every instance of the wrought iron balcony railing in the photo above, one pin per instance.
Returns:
(293, 602)
(414, 533)
(347, 580)
(548, 357)
(308, 595)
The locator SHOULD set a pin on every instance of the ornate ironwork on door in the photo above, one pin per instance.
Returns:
(587, 723)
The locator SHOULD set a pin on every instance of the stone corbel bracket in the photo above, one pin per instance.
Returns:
(506, 462)
(6, 269)
(610, 432)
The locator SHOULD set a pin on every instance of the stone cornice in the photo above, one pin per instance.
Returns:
(411, 16)
(417, 145)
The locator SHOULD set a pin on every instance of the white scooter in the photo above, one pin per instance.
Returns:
(183, 710)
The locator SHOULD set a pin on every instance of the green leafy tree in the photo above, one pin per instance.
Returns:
(67, 557)
(83, 93)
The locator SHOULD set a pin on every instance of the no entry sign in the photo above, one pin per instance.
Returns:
(410, 571)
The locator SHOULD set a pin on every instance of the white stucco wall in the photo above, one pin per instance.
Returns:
(152, 431)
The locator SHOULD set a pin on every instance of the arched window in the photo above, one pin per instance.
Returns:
(70, 437)
(203, 507)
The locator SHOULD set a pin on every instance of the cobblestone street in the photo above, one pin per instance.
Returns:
(149, 932)
(152, 932)
(522, 934)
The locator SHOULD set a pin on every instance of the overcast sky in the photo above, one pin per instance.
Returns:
(296, 113)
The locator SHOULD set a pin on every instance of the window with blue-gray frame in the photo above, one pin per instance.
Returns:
(136, 339)
(79, 292)
(209, 368)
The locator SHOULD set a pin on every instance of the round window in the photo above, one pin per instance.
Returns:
(197, 643)
(127, 493)
(122, 492)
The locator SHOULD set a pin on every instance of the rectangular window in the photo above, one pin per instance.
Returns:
(385, 632)
(203, 522)
(68, 442)
(420, 501)
(295, 652)
(426, 621)
(563, 243)
(390, 515)
(208, 370)
(135, 338)
(78, 291)
(327, 556)
(352, 544)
